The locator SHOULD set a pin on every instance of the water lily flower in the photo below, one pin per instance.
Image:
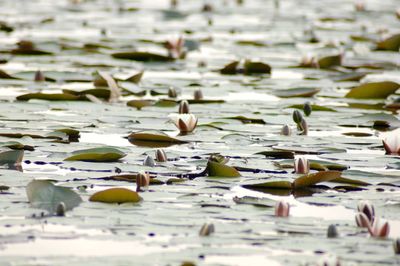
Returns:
(186, 123)
(198, 95)
(61, 208)
(286, 130)
(378, 230)
(362, 220)
(282, 209)
(176, 49)
(304, 127)
(396, 246)
(367, 208)
(301, 165)
(142, 180)
(360, 6)
(172, 92)
(392, 144)
(184, 107)
(39, 77)
(161, 156)
(207, 229)
(148, 161)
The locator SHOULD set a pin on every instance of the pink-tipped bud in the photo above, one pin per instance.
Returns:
(304, 127)
(392, 144)
(39, 77)
(172, 93)
(142, 180)
(396, 246)
(286, 130)
(282, 209)
(367, 208)
(359, 6)
(301, 165)
(184, 107)
(362, 220)
(198, 95)
(161, 156)
(148, 161)
(378, 230)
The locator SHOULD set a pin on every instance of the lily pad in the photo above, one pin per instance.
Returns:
(102, 154)
(373, 90)
(44, 194)
(216, 169)
(330, 61)
(391, 43)
(153, 139)
(315, 178)
(116, 195)
(143, 56)
(48, 97)
(297, 92)
(251, 67)
(13, 157)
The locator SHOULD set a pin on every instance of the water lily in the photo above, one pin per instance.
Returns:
(198, 95)
(176, 48)
(396, 246)
(161, 156)
(186, 123)
(379, 230)
(184, 107)
(142, 180)
(39, 77)
(286, 130)
(367, 208)
(392, 144)
(149, 161)
(301, 165)
(362, 220)
(282, 209)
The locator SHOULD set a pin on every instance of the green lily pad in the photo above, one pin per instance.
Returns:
(102, 154)
(230, 69)
(216, 169)
(330, 61)
(314, 107)
(256, 68)
(116, 195)
(373, 90)
(139, 104)
(48, 97)
(44, 194)
(153, 139)
(277, 154)
(247, 120)
(391, 43)
(13, 157)
(142, 56)
(297, 92)
(315, 178)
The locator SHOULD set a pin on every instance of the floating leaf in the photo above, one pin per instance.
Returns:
(135, 78)
(139, 104)
(315, 178)
(98, 92)
(143, 56)
(330, 61)
(103, 154)
(44, 194)
(297, 92)
(116, 195)
(221, 170)
(275, 184)
(257, 202)
(373, 90)
(153, 139)
(278, 154)
(391, 43)
(314, 107)
(13, 157)
(256, 68)
(247, 120)
(15, 145)
(230, 69)
(48, 97)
